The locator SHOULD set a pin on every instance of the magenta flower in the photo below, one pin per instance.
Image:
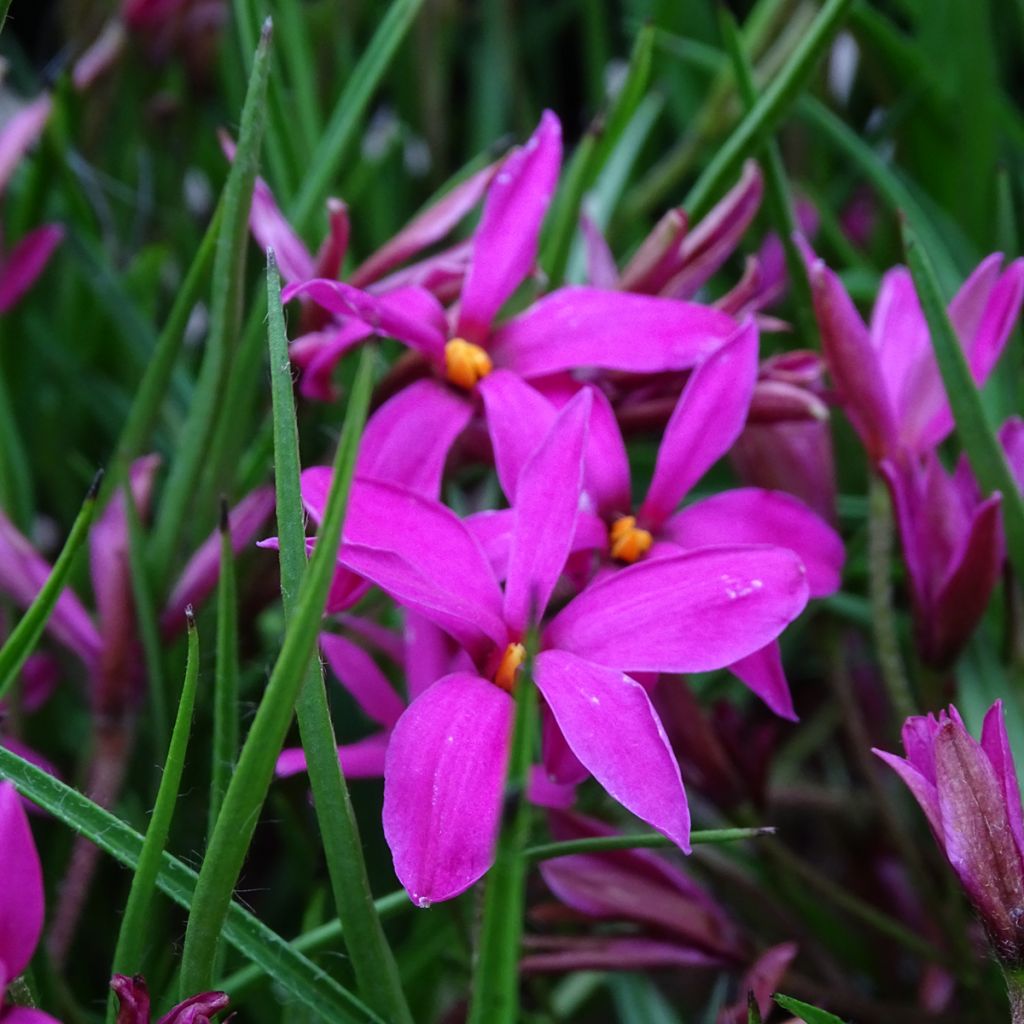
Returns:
(21, 902)
(20, 266)
(445, 765)
(953, 546)
(133, 999)
(567, 329)
(886, 376)
(707, 418)
(970, 796)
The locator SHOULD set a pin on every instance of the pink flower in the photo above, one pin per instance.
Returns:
(445, 765)
(133, 999)
(886, 376)
(970, 796)
(21, 902)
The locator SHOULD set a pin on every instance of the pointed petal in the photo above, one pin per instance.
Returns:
(601, 269)
(706, 421)
(359, 674)
(21, 895)
(23, 572)
(750, 515)
(407, 440)
(547, 502)
(763, 674)
(363, 759)
(518, 419)
(853, 362)
(20, 132)
(200, 575)
(410, 315)
(430, 653)
(611, 954)
(505, 241)
(606, 471)
(26, 261)
(427, 228)
(608, 721)
(332, 251)
(318, 352)
(923, 791)
(692, 613)
(578, 326)
(996, 745)
(423, 555)
(561, 766)
(443, 785)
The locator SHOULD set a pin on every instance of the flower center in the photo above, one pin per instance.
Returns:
(628, 541)
(466, 364)
(505, 677)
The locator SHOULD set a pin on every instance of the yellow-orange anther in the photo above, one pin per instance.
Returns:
(505, 677)
(629, 542)
(465, 363)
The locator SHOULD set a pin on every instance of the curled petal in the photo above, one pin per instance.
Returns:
(443, 782)
(610, 725)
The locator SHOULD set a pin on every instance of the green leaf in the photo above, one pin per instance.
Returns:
(24, 637)
(770, 108)
(249, 785)
(646, 841)
(350, 108)
(638, 1001)
(591, 156)
(225, 318)
(986, 455)
(303, 980)
(807, 1013)
(368, 947)
(134, 933)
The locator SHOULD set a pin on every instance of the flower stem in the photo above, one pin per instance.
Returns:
(598, 844)
(883, 615)
(1015, 990)
(495, 994)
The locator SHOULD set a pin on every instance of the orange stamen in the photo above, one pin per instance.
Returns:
(628, 541)
(505, 677)
(465, 363)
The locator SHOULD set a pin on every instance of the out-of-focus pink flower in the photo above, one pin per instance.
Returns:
(762, 981)
(953, 546)
(970, 796)
(21, 902)
(886, 376)
(133, 999)
(786, 444)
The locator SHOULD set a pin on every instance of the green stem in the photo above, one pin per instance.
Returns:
(599, 844)
(368, 948)
(24, 637)
(249, 785)
(494, 998)
(133, 936)
(1015, 990)
(883, 612)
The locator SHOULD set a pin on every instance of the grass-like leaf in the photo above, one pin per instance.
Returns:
(807, 1013)
(368, 947)
(24, 637)
(132, 938)
(225, 318)
(650, 840)
(304, 982)
(249, 785)
(986, 455)
(350, 108)
(769, 109)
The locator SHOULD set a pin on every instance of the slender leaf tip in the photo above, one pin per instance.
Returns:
(266, 32)
(94, 487)
(190, 617)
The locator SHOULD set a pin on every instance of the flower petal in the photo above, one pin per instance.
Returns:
(25, 262)
(706, 421)
(606, 473)
(610, 724)
(579, 326)
(750, 515)
(546, 505)
(505, 241)
(21, 895)
(443, 785)
(407, 440)
(762, 673)
(691, 613)
(423, 555)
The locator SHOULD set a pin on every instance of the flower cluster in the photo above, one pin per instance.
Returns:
(619, 591)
